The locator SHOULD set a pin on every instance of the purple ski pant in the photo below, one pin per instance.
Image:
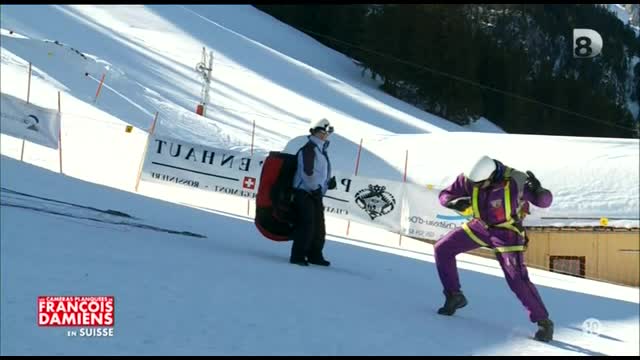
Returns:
(512, 264)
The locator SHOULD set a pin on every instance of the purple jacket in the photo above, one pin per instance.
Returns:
(491, 198)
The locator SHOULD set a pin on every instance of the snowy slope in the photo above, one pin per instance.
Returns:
(232, 292)
(160, 53)
(484, 125)
(272, 74)
(620, 12)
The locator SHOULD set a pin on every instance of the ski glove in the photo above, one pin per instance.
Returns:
(332, 183)
(532, 181)
(459, 204)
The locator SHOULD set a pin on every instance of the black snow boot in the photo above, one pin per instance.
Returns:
(545, 330)
(301, 262)
(319, 261)
(453, 302)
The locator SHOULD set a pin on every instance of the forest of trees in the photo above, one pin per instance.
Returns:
(512, 64)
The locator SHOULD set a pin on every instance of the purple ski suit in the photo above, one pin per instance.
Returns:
(498, 226)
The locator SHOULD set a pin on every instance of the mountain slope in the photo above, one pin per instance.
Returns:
(190, 273)
(156, 58)
(135, 88)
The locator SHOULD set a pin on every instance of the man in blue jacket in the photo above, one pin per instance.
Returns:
(310, 182)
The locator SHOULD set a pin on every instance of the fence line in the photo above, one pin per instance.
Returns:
(95, 100)
(567, 269)
(571, 269)
(355, 172)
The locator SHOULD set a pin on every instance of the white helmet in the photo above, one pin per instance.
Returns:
(320, 124)
(482, 169)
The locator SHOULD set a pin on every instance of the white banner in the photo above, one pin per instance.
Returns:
(181, 163)
(409, 209)
(366, 200)
(30, 122)
(426, 218)
(392, 205)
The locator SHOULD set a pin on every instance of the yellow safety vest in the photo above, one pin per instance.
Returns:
(508, 224)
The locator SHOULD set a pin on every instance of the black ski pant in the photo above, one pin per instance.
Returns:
(309, 231)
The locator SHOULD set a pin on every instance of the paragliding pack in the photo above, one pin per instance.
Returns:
(274, 214)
